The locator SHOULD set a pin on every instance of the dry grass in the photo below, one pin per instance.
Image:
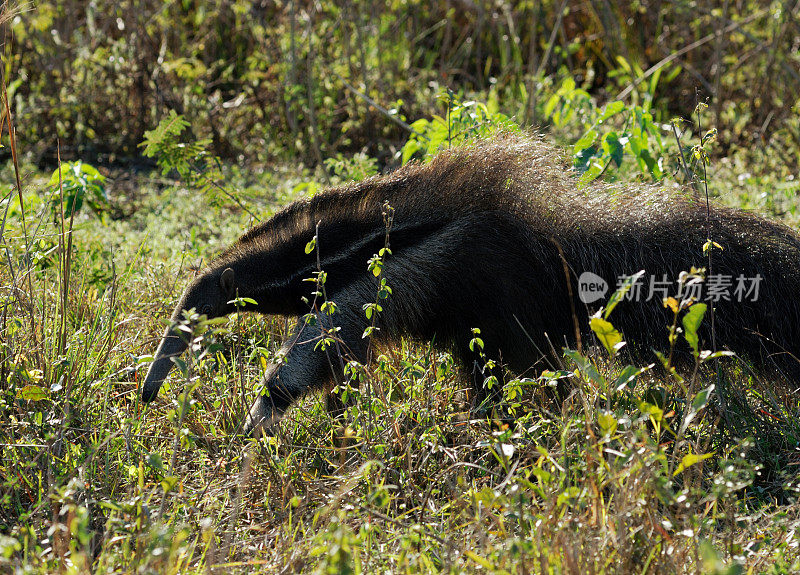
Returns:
(405, 481)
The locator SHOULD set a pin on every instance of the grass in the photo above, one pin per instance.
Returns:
(406, 481)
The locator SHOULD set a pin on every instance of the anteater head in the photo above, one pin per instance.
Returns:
(209, 294)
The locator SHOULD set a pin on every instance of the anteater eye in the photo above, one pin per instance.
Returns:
(206, 310)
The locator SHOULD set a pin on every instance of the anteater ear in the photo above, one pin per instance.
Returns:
(227, 282)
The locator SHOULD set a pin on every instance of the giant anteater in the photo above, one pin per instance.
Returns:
(485, 236)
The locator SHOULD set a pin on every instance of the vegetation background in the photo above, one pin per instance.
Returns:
(141, 137)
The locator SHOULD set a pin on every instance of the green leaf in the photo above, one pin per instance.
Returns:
(586, 368)
(550, 105)
(691, 323)
(169, 127)
(707, 354)
(569, 494)
(154, 461)
(8, 546)
(627, 377)
(607, 422)
(690, 459)
(90, 171)
(608, 336)
(651, 88)
(329, 307)
(651, 410)
(609, 110)
(709, 136)
(585, 142)
(613, 146)
(488, 565)
(624, 64)
(699, 402)
(78, 181)
(617, 296)
(594, 169)
(648, 162)
(310, 246)
(674, 73)
(181, 365)
(54, 179)
(702, 397)
(709, 245)
(541, 474)
(584, 158)
(410, 148)
(32, 393)
(169, 483)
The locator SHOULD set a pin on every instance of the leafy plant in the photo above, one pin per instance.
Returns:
(190, 159)
(600, 147)
(355, 168)
(463, 121)
(78, 182)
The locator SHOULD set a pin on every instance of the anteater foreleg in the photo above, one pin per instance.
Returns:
(311, 360)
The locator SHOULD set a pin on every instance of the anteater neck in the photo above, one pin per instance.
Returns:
(271, 276)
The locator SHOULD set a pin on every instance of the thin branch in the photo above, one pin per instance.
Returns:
(688, 48)
(377, 106)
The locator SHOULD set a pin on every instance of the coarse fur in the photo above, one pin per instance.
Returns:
(481, 238)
